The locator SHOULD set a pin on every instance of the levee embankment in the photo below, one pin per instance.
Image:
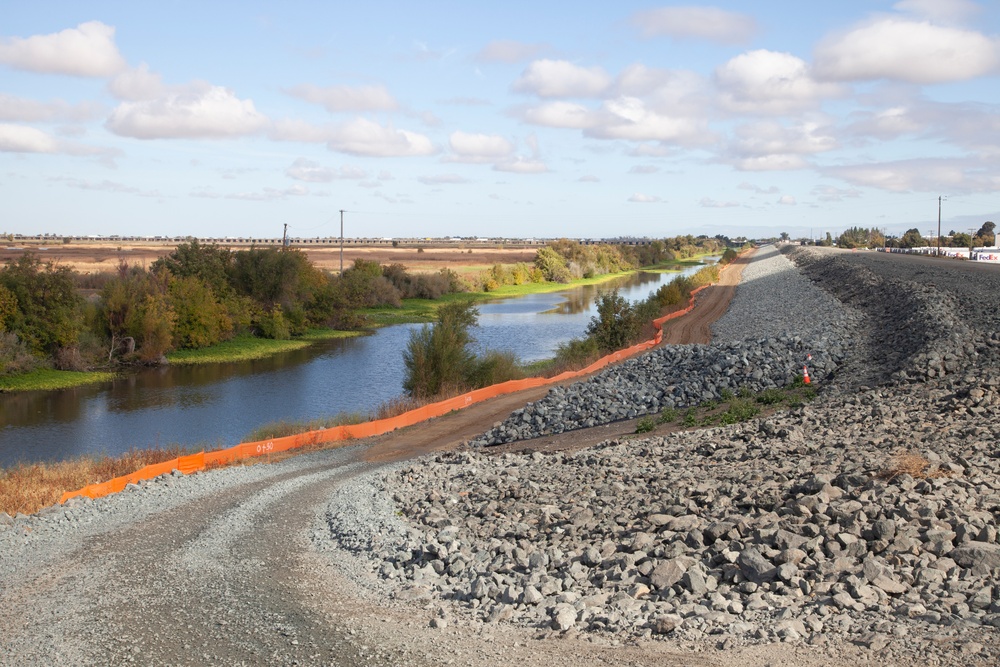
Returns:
(864, 519)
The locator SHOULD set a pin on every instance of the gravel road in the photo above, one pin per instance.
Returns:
(329, 559)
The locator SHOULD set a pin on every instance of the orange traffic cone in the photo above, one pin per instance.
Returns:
(805, 375)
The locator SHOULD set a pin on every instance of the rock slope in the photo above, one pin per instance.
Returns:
(869, 515)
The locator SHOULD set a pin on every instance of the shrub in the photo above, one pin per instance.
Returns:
(15, 357)
(274, 325)
(771, 397)
(437, 357)
(494, 367)
(576, 353)
(739, 410)
(616, 324)
(667, 416)
(645, 425)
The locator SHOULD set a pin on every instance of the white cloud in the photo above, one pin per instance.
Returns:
(442, 179)
(365, 137)
(629, 118)
(561, 78)
(567, 115)
(773, 190)
(935, 175)
(651, 150)
(346, 98)
(904, 50)
(711, 203)
(640, 198)
(829, 193)
(643, 169)
(107, 186)
(265, 194)
(509, 51)
(886, 124)
(18, 109)
(86, 50)
(772, 138)
(768, 82)
(300, 130)
(521, 165)
(137, 83)
(201, 111)
(312, 172)
(939, 10)
(787, 200)
(478, 148)
(711, 23)
(24, 139)
(777, 162)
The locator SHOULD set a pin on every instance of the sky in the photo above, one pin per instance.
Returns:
(589, 119)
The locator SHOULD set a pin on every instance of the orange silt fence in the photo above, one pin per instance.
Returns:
(248, 450)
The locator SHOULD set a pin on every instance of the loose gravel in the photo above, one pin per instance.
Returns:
(860, 527)
(782, 323)
(868, 517)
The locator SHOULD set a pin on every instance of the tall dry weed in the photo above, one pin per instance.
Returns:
(912, 464)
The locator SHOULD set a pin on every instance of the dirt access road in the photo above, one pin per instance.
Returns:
(218, 569)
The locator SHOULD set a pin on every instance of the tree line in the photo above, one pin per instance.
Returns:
(200, 295)
(197, 296)
(865, 237)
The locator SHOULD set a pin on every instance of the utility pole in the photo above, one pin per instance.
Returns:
(341, 241)
(940, 197)
(284, 237)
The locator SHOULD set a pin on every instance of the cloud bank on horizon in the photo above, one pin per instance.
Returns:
(519, 120)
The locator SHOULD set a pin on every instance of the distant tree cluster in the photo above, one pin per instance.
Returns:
(198, 295)
(912, 238)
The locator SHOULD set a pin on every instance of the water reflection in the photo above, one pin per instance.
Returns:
(218, 405)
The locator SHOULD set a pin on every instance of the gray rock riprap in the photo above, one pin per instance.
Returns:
(870, 514)
(681, 376)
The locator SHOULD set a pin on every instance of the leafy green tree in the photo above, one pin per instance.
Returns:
(212, 264)
(911, 238)
(554, 267)
(616, 324)
(986, 236)
(855, 237)
(437, 358)
(8, 307)
(48, 315)
(364, 285)
(201, 320)
(136, 304)
(151, 324)
(961, 240)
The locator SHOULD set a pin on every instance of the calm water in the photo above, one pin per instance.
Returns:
(218, 405)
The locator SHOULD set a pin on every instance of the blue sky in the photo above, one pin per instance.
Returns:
(590, 119)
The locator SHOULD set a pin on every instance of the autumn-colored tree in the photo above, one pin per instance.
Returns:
(48, 310)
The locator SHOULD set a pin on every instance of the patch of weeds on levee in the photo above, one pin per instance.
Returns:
(731, 408)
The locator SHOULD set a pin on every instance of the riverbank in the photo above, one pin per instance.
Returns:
(247, 348)
(418, 311)
(470, 414)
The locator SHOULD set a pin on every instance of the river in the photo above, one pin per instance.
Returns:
(217, 405)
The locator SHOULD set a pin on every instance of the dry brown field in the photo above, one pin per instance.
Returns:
(104, 257)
